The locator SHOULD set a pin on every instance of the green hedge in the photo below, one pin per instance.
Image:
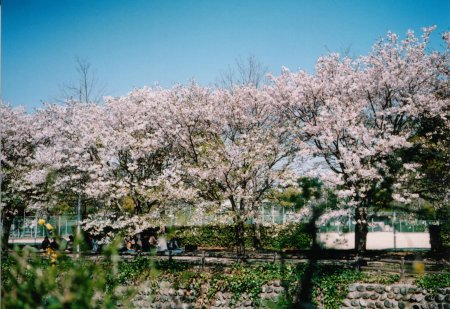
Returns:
(433, 282)
(292, 236)
(330, 284)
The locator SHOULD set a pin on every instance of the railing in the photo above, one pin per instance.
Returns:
(405, 267)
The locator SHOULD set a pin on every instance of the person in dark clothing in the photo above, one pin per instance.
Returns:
(45, 243)
(54, 244)
(69, 247)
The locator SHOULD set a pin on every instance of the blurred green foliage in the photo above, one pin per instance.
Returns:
(292, 236)
(33, 280)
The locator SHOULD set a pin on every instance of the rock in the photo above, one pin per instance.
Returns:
(401, 305)
(352, 288)
(374, 296)
(379, 304)
(346, 303)
(379, 289)
(353, 295)
(360, 288)
(396, 289)
(398, 297)
(390, 295)
(371, 305)
(165, 285)
(370, 288)
(418, 297)
(387, 304)
(277, 283)
(365, 295)
(411, 290)
(383, 296)
(403, 290)
(439, 298)
(432, 306)
(269, 289)
(387, 288)
(354, 303)
(416, 307)
(278, 289)
(363, 303)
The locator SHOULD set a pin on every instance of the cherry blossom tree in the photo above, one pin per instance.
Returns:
(356, 113)
(113, 156)
(17, 175)
(232, 146)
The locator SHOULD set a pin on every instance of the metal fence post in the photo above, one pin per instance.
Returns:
(402, 267)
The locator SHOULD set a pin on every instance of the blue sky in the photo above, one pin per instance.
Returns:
(141, 42)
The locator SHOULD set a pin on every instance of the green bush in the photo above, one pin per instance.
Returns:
(330, 284)
(250, 279)
(30, 280)
(433, 282)
(292, 236)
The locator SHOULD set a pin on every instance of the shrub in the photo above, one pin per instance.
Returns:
(292, 236)
(433, 282)
(330, 284)
(30, 280)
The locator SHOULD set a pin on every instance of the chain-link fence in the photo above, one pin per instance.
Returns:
(27, 227)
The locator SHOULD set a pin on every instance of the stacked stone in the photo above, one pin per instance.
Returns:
(270, 291)
(165, 297)
(395, 296)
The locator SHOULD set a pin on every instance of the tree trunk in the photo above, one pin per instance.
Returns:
(240, 241)
(7, 220)
(313, 230)
(435, 238)
(361, 230)
(256, 235)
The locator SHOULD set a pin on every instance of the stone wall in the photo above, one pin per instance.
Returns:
(395, 296)
(165, 296)
(360, 296)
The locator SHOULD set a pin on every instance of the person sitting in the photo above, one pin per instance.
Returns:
(173, 244)
(94, 245)
(135, 245)
(69, 247)
(45, 243)
(129, 247)
(54, 244)
(174, 247)
(162, 243)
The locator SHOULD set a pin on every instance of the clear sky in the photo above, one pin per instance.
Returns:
(141, 42)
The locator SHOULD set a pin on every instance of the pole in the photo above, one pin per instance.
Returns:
(393, 227)
(36, 228)
(349, 224)
(78, 221)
